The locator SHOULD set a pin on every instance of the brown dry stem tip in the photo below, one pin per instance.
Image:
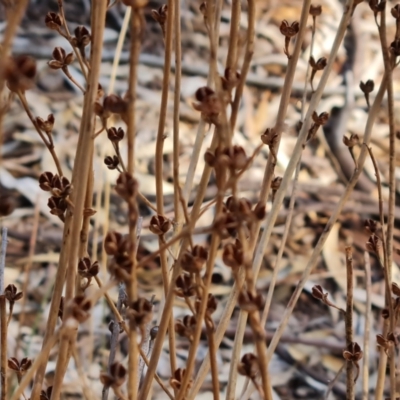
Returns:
(289, 31)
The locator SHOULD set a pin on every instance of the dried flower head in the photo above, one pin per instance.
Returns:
(230, 79)
(186, 327)
(160, 15)
(82, 38)
(193, 260)
(387, 343)
(115, 377)
(87, 269)
(53, 21)
(232, 255)
(11, 293)
(7, 205)
(113, 243)
(19, 73)
(115, 135)
(248, 301)
(46, 125)
(159, 225)
(111, 162)
(140, 313)
(249, 366)
(395, 47)
(177, 379)
(288, 31)
(208, 104)
(395, 289)
(127, 186)
(315, 10)
(19, 367)
(185, 286)
(61, 59)
(58, 206)
(351, 141)
(373, 244)
(371, 225)
(46, 394)
(79, 308)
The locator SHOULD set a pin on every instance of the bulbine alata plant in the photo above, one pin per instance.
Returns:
(240, 230)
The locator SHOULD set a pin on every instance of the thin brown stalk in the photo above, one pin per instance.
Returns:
(79, 180)
(163, 325)
(384, 265)
(349, 323)
(185, 234)
(269, 169)
(250, 36)
(213, 351)
(314, 257)
(333, 381)
(87, 392)
(71, 78)
(114, 337)
(47, 143)
(159, 164)
(215, 241)
(367, 327)
(3, 318)
(386, 273)
(136, 26)
(14, 17)
(389, 65)
(178, 211)
(232, 56)
(213, 38)
(27, 267)
(69, 38)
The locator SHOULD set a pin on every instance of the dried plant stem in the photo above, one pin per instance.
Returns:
(333, 381)
(118, 49)
(232, 56)
(213, 351)
(54, 307)
(215, 241)
(47, 143)
(14, 17)
(269, 169)
(27, 267)
(136, 26)
(3, 318)
(389, 64)
(114, 336)
(349, 323)
(386, 273)
(213, 37)
(159, 164)
(333, 218)
(80, 177)
(385, 266)
(367, 327)
(177, 93)
(69, 37)
(163, 325)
